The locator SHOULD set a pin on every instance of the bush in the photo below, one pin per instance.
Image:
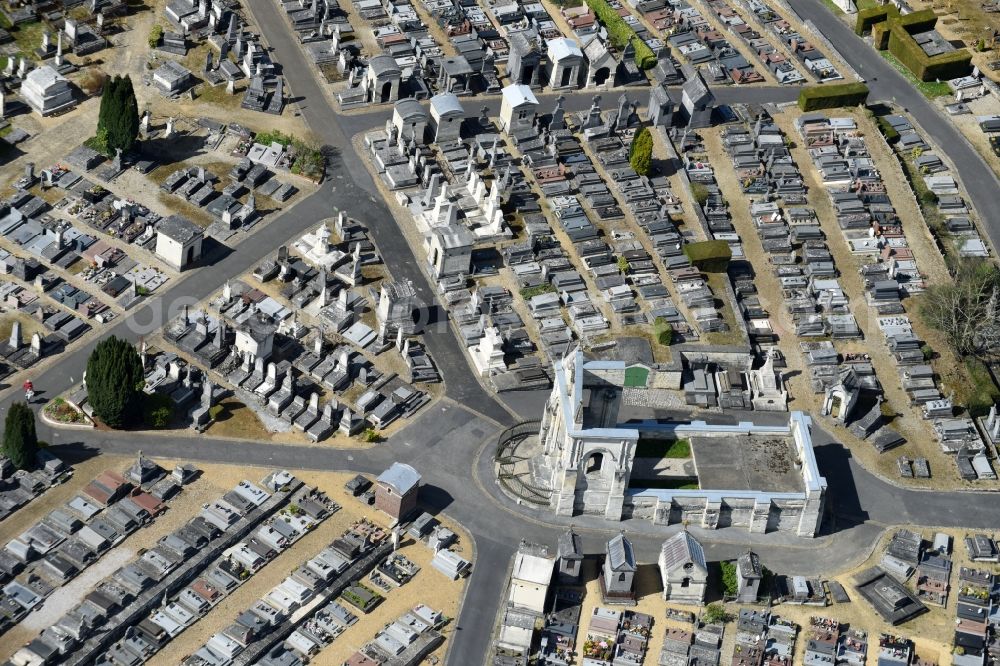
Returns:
(928, 198)
(640, 154)
(699, 193)
(215, 411)
(371, 436)
(813, 98)
(888, 131)
(663, 330)
(730, 585)
(92, 82)
(157, 410)
(927, 351)
(621, 34)
(712, 256)
(307, 160)
(622, 265)
(155, 35)
(715, 613)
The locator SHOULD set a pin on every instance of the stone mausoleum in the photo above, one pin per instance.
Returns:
(763, 477)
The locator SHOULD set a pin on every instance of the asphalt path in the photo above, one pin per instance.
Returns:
(886, 84)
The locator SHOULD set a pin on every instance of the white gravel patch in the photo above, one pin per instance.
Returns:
(66, 597)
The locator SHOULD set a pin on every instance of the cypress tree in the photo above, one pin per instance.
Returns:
(118, 119)
(641, 152)
(19, 439)
(114, 380)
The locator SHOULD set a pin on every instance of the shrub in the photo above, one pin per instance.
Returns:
(928, 198)
(712, 256)
(927, 351)
(92, 81)
(155, 35)
(700, 193)
(730, 585)
(621, 34)
(663, 330)
(888, 131)
(371, 436)
(640, 154)
(812, 98)
(715, 613)
(157, 410)
(622, 265)
(215, 411)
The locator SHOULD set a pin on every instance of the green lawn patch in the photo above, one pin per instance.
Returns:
(530, 292)
(712, 256)
(663, 448)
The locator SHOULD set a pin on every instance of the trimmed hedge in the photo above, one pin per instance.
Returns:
(880, 35)
(712, 256)
(621, 34)
(813, 98)
(945, 66)
(921, 21)
(869, 17)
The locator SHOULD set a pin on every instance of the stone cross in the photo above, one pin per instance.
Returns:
(170, 127)
(46, 45)
(22, 68)
(36, 344)
(231, 87)
(59, 53)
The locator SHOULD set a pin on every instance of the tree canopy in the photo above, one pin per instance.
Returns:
(20, 443)
(114, 381)
(967, 310)
(118, 119)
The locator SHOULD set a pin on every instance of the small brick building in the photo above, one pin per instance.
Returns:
(396, 490)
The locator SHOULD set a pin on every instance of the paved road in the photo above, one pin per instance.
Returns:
(887, 84)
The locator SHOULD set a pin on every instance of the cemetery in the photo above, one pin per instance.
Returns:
(372, 55)
(277, 340)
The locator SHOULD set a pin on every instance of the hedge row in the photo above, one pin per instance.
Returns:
(869, 17)
(921, 21)
(814, 98)
(940, 67)
(621, 34)
(880, 35)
